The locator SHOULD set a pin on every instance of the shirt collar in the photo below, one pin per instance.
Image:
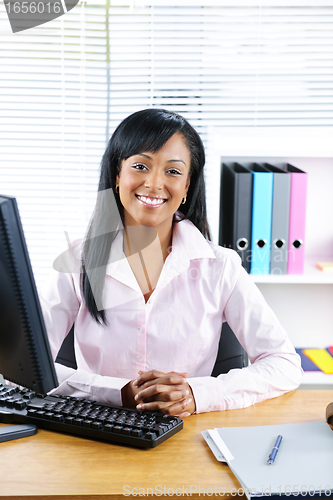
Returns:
(187, 244)
(118, 266)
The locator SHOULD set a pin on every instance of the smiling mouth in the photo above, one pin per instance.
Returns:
(151, 201)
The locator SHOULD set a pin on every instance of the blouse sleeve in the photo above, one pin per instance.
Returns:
(274, 367)
(60, 305)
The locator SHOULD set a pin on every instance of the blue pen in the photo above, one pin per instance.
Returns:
(272, 456)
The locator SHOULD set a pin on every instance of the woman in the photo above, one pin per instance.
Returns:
(153, 291)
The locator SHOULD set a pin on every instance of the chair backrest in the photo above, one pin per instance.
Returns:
(66, 354)
(230, 354)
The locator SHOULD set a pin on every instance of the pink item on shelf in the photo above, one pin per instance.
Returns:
(297, 213)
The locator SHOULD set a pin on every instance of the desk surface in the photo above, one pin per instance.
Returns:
(56, 466)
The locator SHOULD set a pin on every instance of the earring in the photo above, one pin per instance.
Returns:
(117, 188)
(184, 200)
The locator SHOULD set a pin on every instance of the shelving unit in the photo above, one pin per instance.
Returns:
(303, 303)
(312, 275)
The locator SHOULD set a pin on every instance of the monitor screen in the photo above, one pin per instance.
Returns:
(25, 356)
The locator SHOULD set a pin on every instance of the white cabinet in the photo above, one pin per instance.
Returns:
(303, 303)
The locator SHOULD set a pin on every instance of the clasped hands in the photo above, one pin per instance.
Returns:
(159, 391)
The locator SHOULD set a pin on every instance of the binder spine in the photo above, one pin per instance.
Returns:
(261, 222)
(227, 207)
(280, 223)
(236, 211)
(242, 236)
(297, 216)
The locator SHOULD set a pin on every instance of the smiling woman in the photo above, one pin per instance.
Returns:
(152, 185)
(172, 170)
(153, 291)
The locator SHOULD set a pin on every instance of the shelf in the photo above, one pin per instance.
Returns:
(311, 276)
(317, 378)
(305, 312)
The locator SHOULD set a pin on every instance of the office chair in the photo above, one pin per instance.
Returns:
(66, 354)
(230, 354)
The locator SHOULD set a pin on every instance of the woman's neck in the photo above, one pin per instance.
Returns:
(139, 238)
(146, 251)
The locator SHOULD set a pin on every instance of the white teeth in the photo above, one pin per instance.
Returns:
(151, 201)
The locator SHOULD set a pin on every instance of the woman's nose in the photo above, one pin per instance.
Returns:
(154, 180)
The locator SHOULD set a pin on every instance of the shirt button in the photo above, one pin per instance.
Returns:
(141, 329)
(140, 359)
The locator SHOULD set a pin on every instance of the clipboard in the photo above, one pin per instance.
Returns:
(303, 466)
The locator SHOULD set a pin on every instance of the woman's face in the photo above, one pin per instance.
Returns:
(152, 185)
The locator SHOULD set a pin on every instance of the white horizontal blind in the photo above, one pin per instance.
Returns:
(224, 66)
(53, 101)
(66, 85)
(258, 64)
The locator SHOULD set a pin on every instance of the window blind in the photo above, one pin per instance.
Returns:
(66, 85)
(53, 100)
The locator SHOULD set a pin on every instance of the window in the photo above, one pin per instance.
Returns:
(65, 86)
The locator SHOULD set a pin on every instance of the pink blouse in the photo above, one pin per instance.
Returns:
(178, 329)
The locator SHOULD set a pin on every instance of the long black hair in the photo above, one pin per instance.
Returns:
(146, 130)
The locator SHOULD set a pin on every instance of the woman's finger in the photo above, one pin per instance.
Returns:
(164, 392)
(166, 407)
(170, 377)
(182, 408)
(145, 376)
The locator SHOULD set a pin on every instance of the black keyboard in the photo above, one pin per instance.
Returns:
(89, 419)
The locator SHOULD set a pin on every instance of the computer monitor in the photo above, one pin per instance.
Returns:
(25, 355)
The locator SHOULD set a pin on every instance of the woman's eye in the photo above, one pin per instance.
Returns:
(174, 171)
(139, 166)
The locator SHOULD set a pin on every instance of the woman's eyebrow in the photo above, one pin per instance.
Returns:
(143, 154)
(172, 161)
(169, 161)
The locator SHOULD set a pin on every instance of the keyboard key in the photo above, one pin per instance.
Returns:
(20, 404)
(29, 395)
(126, 430)
(10, 403)
(150, 435)
(58, 418)
(11, 391)
(108, 427)
(97, 426)
(175, 421)
(117, 429)
(158, 429)
(136, 433)
(39, 406)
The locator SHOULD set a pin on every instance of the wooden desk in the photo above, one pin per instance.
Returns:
(55, 466)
